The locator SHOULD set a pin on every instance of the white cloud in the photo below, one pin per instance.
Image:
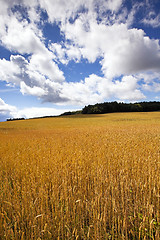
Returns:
(124, 51)
(59, 52)
(24, 38)
(88, 33)
(38, 112)
(132, 53)
(152, 20)
(19, 36)
(148, 77)
(114, 5)
(62, 10)
(150, 81)
(35, 77)
(65, 53)
(127, 89)
(97, 89)
(9, 71)
(9, 111)
(82, 92)
(35, 91)
(6, 109)
(87, 40)
(93, 89)
(43, 63)
(73, 53)
(156, 86)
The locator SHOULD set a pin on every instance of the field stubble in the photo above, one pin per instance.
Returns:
(92, 177)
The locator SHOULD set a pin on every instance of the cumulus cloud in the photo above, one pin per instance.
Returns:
(90, 90)
(114, 5)
(150, 81)
(66, 53)
(38, 112)
(133, 53)
(9, 111)
(124, 51)
(89, 33)
(64, 10)
(22, 36)
(43, 64)
(6, 109)
(127, 89)
(35, 91)
(19, 37)
(16, 33)
(9, 71)
(97, 89)
(87, 40)
(80, 93)
(27, 74)
(152, 19)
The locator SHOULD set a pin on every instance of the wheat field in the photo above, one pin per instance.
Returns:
(81, 177)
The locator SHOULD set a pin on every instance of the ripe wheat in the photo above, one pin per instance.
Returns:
(82, 177)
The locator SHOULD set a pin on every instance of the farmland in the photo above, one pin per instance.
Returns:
(81, 177)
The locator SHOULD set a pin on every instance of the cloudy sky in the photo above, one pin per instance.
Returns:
(60, 55)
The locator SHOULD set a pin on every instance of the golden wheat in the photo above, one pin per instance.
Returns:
(82, 177)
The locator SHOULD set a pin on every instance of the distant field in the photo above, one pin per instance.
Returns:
(81, 177)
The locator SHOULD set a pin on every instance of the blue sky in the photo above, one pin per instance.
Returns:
(58, 56)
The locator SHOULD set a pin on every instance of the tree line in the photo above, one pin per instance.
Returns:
(110, 107)
(15, 119)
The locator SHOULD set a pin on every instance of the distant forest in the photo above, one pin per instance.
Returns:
(110, 107)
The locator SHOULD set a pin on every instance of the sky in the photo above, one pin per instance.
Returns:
(60, 55)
